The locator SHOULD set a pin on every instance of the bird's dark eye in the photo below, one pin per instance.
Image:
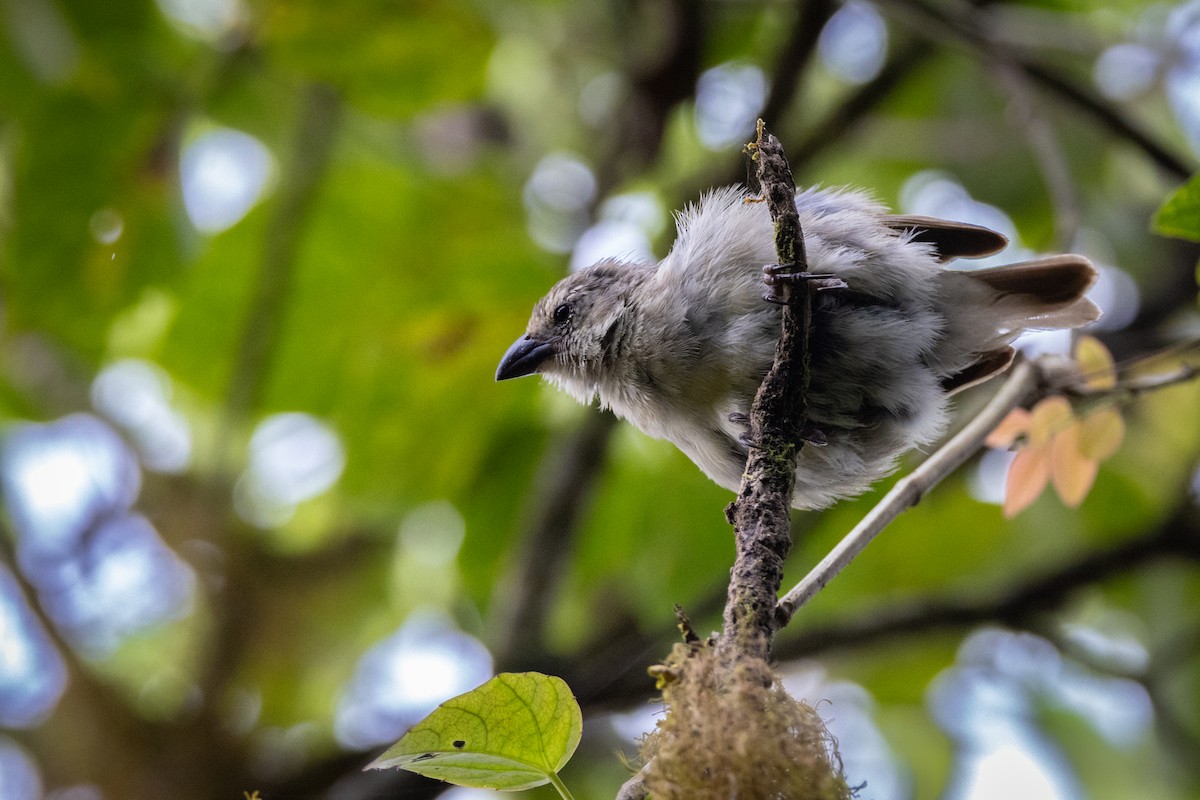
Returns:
(562, 314)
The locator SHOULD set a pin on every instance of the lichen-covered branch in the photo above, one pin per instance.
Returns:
(761, 513)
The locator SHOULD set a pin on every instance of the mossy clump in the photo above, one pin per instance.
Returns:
(732, 731)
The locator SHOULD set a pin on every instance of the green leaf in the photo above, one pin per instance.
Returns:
(514, 732)
(1180, 215)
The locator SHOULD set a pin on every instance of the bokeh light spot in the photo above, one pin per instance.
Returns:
(728, 99)
(124, 580)
(1126, 70)
(293, 457)
(136, 395)
(19, 776)
(557, 197)
(853, 43)
(32, 675)
(207, 20)
(60, 476)
(224, 174)
(404, 677)
(106, 225)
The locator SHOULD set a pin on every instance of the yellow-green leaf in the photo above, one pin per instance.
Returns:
(1096, 363)
(514, 732)
(1101, 433)
(1180, 215)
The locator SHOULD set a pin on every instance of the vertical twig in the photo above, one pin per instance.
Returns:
(761, 513)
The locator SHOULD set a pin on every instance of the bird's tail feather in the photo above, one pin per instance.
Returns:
(1043, 293)
(986, 309)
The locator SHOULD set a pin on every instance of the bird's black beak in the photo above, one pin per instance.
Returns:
(523, 358)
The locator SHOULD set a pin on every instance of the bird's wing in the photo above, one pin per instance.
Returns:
(988, 364)
(950, 239)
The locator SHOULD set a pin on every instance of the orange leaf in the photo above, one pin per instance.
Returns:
(1027, 476)
(1071, 472)
(1051, 415)
(1101, 433)
(1095, 363)
(1012, 426)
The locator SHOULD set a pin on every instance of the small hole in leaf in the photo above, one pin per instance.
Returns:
(459, 744)
(425, 757)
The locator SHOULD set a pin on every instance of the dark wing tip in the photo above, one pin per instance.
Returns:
(987, 365)
(950, 239)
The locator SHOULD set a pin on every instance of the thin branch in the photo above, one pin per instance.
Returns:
(1110, 117)
(935, 23)
(1027, 379)
(1021, 382)
(1149, 383)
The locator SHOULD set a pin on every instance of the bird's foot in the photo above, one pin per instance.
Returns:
(780, 279)
(814, 437)
(810, 434)
(744, 439)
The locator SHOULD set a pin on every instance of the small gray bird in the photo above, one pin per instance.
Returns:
(679, 348)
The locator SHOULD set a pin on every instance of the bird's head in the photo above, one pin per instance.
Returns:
(575, 330)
